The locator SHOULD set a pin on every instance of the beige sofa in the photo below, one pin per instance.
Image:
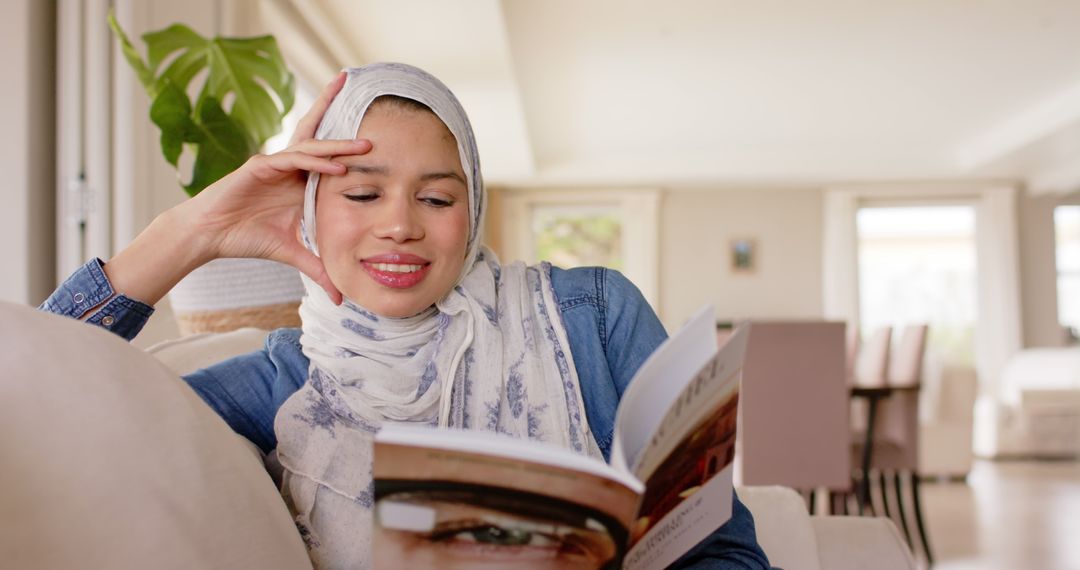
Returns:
(1037, 410)
(110, 461)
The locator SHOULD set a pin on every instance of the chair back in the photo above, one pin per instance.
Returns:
(852, 352)
(905, 363)
(794, 407)
(872, 362)
(898, 420)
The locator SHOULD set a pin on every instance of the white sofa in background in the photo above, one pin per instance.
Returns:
(178, 489)
(1037, 412)
(946, 424)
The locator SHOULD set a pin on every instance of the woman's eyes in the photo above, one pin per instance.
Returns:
(437, 202)
(361, 197)
(433, 201)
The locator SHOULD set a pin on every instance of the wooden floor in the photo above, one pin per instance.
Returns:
(1009, 516)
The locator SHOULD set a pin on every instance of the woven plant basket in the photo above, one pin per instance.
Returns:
(227, 294)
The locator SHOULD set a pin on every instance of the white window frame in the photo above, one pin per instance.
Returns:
(998, 334)
(84, 163)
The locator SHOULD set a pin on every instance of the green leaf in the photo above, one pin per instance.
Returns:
(248, 71)
(146, 77)
(161, 43)
(252, 69)
(171, 112)
(247, 74)
(222, 146)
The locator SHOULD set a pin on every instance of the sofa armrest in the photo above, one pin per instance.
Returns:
(851, 543)
(111, 461)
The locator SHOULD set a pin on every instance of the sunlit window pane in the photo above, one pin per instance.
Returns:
(1067, 234)
(917, 265)
(578, 235)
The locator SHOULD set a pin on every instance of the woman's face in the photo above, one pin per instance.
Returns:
(393, 230)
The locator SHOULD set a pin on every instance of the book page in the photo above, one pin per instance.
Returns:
(709, 399)
(453, 498)
(687, 461)
(658, 383)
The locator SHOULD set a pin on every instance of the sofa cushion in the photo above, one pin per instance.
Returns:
(190, 353)
(783, 526)
(111, 461)
(861, 542)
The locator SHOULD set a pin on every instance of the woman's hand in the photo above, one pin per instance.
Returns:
(254, 211)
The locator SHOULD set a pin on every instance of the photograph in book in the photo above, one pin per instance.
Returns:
(513, 504)
(450, 498)
(701, 455)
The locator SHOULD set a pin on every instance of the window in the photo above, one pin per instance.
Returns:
(1067, 241)
(616, 229)
(918, 264)
(576, 236)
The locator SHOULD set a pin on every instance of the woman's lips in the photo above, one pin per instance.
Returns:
(396, 270)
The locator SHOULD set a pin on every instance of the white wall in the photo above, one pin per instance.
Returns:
(1038, 270)
(697, 226)
(27, 111)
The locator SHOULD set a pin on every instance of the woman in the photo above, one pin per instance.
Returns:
(407, 318)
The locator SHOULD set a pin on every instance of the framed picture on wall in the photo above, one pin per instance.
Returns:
(744, 253)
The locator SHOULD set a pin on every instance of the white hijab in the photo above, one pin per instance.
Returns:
(491, 355)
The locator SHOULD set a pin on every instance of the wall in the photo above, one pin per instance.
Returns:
(1038, 270)
(697, 226)
(788, 226)
(27, 111)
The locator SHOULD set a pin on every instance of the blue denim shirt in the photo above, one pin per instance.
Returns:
(610, 327)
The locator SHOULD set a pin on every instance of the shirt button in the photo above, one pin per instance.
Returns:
(79, 298)
(108, 320)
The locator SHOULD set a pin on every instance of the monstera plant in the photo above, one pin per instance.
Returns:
(241, 90)
(245, 92)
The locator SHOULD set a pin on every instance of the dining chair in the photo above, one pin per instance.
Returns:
(793, 416)
(851, 351)
(895, 445)
(870, 370)
(871, 367)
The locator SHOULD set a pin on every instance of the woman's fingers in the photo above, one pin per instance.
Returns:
(311, 156)
(297, 256)
(293, 161)
(331, 147)
(305, 128)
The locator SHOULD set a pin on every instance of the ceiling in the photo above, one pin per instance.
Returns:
(722, 92)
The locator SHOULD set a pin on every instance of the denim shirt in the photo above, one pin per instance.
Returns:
(610, 327)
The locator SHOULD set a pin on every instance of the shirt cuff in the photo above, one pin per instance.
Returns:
(81, 294)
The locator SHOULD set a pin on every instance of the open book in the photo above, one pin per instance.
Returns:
(454, 498)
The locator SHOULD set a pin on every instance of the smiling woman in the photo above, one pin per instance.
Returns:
(407, 317)
(394, 228)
